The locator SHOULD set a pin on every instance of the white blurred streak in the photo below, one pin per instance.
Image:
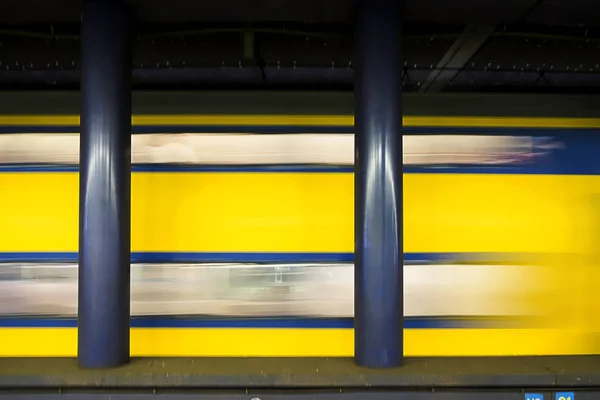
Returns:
(273, 290)
(189, 149)
(463, 149)
(231, 149)
(59, 148)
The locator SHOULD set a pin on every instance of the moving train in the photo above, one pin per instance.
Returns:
(242, 224)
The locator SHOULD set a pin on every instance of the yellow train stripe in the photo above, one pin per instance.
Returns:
(190, 212)
(308, 120)
(232, 342)
(308, 212)
(502, 122)
(39, 120)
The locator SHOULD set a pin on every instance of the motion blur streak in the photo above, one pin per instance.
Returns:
(318, 290)
(251, 149)
(246, 250)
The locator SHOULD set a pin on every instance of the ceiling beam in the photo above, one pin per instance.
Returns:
(457, 56)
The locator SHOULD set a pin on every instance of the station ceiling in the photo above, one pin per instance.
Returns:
(561, 12)
(450, 46)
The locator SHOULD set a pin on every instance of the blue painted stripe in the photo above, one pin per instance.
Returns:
(8, 129)
(167, 168)
(38, 168)
(240, 257)
(189, 168)
(38, 257)
(513, 131)
(201, 257)
(188, 257)
(274, 129)
(243, 168)
(432, 322)
(267, 129)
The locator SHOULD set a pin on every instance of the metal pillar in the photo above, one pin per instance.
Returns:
(104, 185)
(378, 247)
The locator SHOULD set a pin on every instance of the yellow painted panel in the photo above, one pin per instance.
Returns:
(282, 342)
(249, 342)
(496, 213)
(38, 342)
(260, 212)
(307, 212)
(39, 212)
(189, 212)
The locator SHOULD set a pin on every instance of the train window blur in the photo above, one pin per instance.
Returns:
(260, 288)
(255, 149)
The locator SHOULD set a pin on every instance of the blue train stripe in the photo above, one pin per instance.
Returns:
(274, 129)
(432, 322)
(188, 168)
(553, 170)
(196, 257)
(189, 257)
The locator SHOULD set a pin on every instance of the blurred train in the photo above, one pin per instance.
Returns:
(242, 224)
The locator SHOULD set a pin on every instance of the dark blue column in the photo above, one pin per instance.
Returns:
(378, 244)
(104, 185)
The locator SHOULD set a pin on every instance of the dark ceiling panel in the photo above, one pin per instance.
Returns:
(206, 50)
(220, 48)
(318, 11)
(457, 56)
(36, 11)
(40, 11)
(191, 42)
(566, 12)
(243, 10)
(334, 51)
(425, 52)
(539, 53)
(26, 53)
(467, 11)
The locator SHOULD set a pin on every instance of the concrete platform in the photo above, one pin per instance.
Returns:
(420, 378)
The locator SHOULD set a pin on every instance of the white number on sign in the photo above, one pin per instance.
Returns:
(565, 396)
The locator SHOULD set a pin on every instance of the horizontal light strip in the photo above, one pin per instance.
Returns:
(250, 149)
(212, 149)
(317, 290)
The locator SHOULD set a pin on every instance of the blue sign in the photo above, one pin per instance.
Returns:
(534, 396)
(565, 396)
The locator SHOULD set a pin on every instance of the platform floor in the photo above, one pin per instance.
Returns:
(285, 373)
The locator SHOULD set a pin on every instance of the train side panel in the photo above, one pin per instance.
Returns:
(542, 215)
(198, 212)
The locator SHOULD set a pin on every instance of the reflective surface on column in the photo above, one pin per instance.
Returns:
(104, 186)
(378, 185)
